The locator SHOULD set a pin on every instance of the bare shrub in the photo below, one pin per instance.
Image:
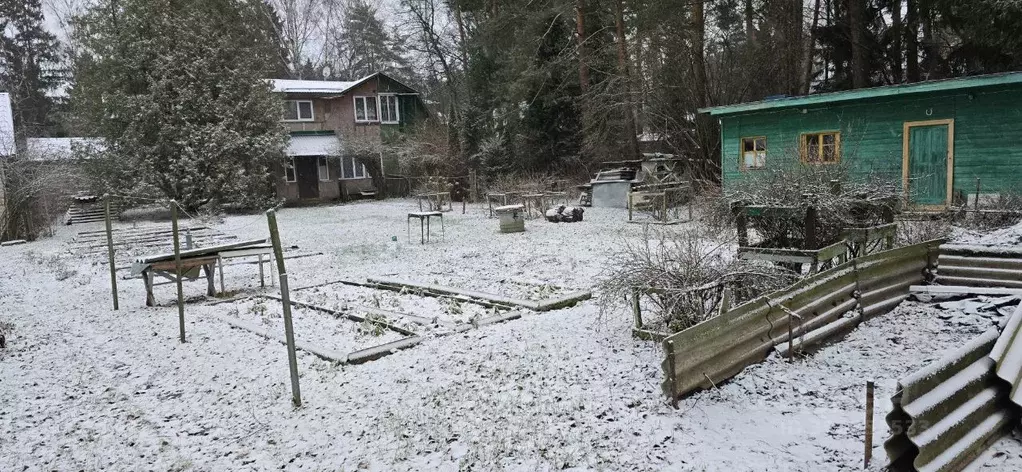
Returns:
(685, 273)
(36, 192)
(998, 211)
(841, 200)
(923, 229)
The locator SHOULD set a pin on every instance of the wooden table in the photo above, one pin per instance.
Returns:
(264, 253)
(167, 270)
(424, 228)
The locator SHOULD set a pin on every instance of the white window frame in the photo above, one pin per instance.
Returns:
(365, 110)
(396, 109)
(357, 170)
(323, 166)
(298, 111)
(290, 166)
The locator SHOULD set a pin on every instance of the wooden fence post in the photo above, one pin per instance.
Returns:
(285, 297)
(636, 308)
(868, 453)
(976, 203)
(110, 249)
(177, 271)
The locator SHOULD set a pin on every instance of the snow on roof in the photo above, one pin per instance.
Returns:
(315, 86)
(6, 126)
(317, 145)
(56, 149)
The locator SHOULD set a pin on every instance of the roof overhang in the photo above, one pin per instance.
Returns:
(313, 145)
(962, 83)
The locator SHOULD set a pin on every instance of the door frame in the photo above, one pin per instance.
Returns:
(950, 157)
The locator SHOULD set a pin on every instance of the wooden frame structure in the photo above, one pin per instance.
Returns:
(950, 158)
(192, 262)
(657, 199)
(435, 201)
(166, 269)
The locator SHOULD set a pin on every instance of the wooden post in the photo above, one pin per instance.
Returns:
(868, 453)
(285, 297)
(177, 271)
(673, 384)
(810, 228)
(976, 204)
(741, 222)
(725, 301)
(110, 249)
(188, 239)
(636, 309)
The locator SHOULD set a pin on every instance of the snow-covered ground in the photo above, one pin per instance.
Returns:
(85, 387)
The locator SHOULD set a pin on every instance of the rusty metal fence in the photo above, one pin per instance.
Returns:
(816, 308)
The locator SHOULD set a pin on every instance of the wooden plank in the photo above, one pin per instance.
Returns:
(437, 289)
(320, 352)
(346, 314)
(376, 352)
(205, 251)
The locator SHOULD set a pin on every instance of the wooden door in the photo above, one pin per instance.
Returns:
(928, 162)
(308, 178)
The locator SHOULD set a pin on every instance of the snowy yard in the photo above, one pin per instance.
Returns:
(85, 387)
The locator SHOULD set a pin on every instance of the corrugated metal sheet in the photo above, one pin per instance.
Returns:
(980, 266)
(1007, 353)
(313, 86)
(954, 84)
(947, 413)
(719, 348)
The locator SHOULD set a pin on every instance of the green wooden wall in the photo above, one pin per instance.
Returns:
(987, 139)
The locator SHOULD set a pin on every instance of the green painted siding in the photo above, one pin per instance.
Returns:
(987, 137)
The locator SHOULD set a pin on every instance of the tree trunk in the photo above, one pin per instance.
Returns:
(896, 34)
(463, 46)
(931, 51)
(856, 23)
(912, 41)
(580, 25)
(622, 62)
(750, 28)
(807, 58)
(698, 50)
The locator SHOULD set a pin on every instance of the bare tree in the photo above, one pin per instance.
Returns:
(303, 29)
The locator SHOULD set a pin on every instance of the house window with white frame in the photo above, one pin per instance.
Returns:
(324, 169)
(298, 110)
(352, 169)
(366, 110)
(289, 171)
(388, 109)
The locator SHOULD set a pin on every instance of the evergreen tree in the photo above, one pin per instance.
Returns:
(178, 90)
(28, 65)
(366, 47)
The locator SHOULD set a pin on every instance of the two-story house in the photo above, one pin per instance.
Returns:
(323, 115)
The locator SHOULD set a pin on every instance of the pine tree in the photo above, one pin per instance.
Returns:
(365, 45)
(28, 65)
(178, 90)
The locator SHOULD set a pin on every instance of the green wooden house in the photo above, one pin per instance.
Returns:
(936, 138)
